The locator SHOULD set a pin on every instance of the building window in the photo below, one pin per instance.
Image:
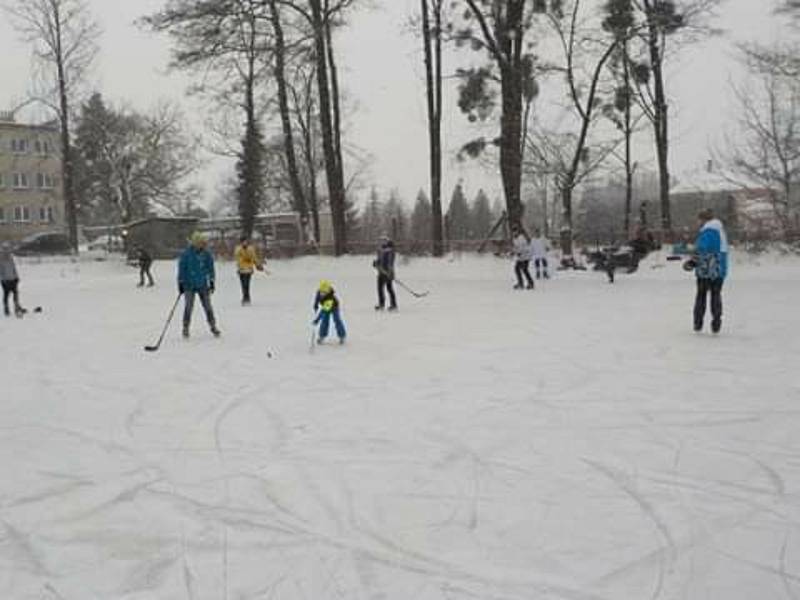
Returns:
(46, 148)
(19, 146)
(2, 215)
(51, 215)
(22, 214)
(44, 181)
(2, 181)
(20, 181)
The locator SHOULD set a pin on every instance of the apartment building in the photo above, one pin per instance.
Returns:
(31, 197)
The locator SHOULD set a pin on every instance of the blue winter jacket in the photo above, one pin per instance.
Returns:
(195, 270)
(711, 249)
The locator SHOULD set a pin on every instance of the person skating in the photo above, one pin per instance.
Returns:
(539, 254)
(522, 254)
(9, 279)
(711, 269)
(384, 263)
(196, 279)
(145, 262)
(326, 306)
(247, 263)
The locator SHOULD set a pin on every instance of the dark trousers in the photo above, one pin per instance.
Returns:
(541, 267)
(144, 271)
(205, 301)
(10, 288)
(523, 268)
(244, 279)
(385, 284)
(704, 288)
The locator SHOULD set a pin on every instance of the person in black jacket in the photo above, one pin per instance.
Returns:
(384, 263)
(145, 261)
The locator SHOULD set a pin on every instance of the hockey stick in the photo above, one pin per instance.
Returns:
(312, 343)
(157, 345)
(410, 291)
(402, 285)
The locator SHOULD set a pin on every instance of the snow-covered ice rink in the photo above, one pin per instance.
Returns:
(577, 442)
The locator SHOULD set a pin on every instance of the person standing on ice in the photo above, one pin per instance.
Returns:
(711, 268)
(196, 279)
(384, 263)
(539, 254)
(326, 306)
(145, 262)
(522, 255)
(246, 263)
(9, 278)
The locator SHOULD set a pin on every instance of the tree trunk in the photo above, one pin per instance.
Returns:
(660, 121)
(283, 102)
(67, 165)
(628, 136)
(335, 183)
(433, 77)
(510, 146)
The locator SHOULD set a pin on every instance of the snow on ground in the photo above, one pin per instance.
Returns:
(577, 442)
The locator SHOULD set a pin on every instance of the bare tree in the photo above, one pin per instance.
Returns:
(660, 21)
(226, 40)
(64, 37)
(766, 152)
(585, 99)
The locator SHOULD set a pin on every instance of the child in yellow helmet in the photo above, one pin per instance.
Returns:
(326, 305)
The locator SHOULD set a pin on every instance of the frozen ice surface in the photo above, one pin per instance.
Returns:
(576, 442)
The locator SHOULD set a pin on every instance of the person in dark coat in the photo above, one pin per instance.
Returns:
(145, 262)
(196, 279)
(384, 263)
(9, 278)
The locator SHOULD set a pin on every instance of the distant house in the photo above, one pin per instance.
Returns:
(163, 237)
(31, 196)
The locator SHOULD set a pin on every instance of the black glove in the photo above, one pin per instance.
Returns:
(180, 288)
(375, 263)
(211, 287)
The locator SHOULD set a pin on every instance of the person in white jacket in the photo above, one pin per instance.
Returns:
(522, 254)
(539, 255)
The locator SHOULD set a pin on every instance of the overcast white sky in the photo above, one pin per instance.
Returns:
(382, 76)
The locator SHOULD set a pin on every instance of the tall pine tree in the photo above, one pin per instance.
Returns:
(458, 215)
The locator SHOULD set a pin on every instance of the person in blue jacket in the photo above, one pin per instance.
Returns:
(326, 305)
(711, 269)
(196, 279)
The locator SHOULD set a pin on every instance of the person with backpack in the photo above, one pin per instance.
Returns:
(247, 263)
(384, 263)
(9, 279)
(522, 255)
(710, 263)
(145, 262)
(196, 280)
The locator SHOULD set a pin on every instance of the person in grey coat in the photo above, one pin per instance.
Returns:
(9, 278)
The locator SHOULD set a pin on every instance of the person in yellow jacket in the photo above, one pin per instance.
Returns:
(247, 263)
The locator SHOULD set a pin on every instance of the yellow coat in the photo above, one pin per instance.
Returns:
(246, 259)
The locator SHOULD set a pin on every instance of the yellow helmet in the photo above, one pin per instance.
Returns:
(325, 286)
(198, 238)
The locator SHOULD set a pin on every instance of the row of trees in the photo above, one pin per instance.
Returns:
(465, 220)
(274, 61)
